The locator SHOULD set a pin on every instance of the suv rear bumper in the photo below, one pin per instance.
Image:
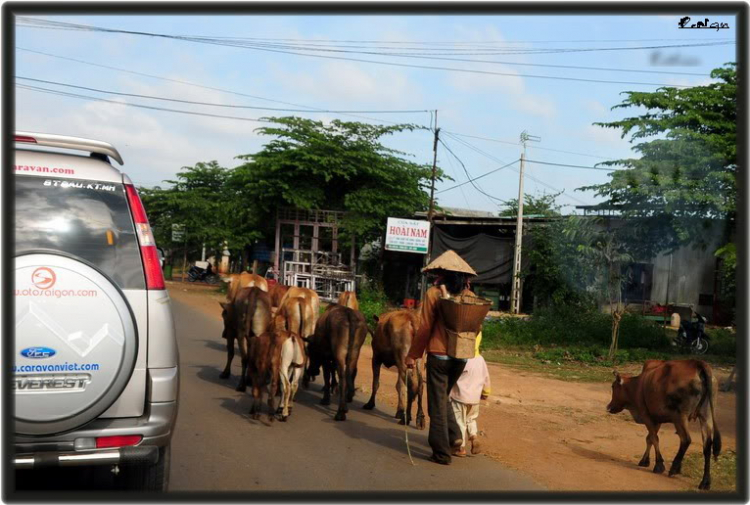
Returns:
(78, 447)
(139, 455)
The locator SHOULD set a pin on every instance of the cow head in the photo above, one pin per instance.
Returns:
(619, 395)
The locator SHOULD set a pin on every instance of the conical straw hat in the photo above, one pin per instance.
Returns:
(449, 260)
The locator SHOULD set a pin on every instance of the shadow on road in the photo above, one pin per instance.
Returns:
(390, 438)
(210, 373)
(217, 345)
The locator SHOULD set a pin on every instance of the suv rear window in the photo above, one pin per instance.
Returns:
(87, 219)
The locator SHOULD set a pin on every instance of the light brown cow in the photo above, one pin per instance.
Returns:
(244, 280)
(335, 346)
(246, 317)
(307, 294)
(674, 392)
(349, 299)
(277, 292)
(390, 343)
(296, 315)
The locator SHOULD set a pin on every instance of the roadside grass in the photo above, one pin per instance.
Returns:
(573, 345)
(723, 471)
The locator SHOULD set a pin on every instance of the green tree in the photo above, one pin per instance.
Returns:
(606, 250)
(338, 166)
(685, 179)
(542, 205)
(201, 199)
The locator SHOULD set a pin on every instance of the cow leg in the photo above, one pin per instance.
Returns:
(351, 375)
(682, 430)
(646, 459)
(327, 372)
(230, 355)
(242, 341)
(707, 431)
(341, 412)
(400, 387)
(272, 388)
(375, 384)
(653, 433)
(255, 407)
(286, 393)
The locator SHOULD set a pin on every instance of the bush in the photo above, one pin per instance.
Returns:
(723, 342)
(567, 326)
(372, 301)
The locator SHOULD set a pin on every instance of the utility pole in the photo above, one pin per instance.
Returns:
(431, 212)
(434, 172)
(515, 294)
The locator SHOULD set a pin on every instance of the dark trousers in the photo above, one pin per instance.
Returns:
(441, 377)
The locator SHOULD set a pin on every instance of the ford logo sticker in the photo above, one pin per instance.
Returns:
(38, 352)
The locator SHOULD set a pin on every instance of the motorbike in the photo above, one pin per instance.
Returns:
(198, 274)
(692, 336)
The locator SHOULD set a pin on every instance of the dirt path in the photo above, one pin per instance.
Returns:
(556, 432)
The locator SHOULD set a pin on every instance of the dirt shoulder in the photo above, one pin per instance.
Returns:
(557, 432)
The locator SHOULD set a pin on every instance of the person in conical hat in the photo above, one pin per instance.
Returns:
(445, 437)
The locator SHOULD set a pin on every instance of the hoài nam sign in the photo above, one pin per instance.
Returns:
(407, 235)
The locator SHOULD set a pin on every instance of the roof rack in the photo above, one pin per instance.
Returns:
(96, 147)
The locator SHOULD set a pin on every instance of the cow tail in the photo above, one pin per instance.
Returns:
(708, 395)
(253, 308)
(352, 335)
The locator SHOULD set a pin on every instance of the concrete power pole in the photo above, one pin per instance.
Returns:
(515, 294)
(432, 204)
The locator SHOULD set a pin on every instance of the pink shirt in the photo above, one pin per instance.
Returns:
(474, 380)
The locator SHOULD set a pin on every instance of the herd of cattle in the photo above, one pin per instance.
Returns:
(283, 339)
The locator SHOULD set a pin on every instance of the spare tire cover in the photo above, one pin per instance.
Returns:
(75, 343)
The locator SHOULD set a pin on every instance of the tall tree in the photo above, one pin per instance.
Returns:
(540, 205)
(685, 179)
(338, 166)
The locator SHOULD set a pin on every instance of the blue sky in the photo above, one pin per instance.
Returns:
(156, 144)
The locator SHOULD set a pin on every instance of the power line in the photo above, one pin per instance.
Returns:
(232, 106)
(479, 176)
(572, 166)
(187, 83)
(515, 143)
(453, 171)
(141, 106)
(535, 179)
(468, 174)
(427, 67)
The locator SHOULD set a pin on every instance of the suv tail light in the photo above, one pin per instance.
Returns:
(151, 265)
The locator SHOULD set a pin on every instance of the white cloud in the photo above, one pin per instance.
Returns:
(342, 82)
(595, 107)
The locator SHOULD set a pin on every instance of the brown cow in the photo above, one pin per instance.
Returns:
(244, 280)
(275, 356)
(335, 346)
(249, 315)
(671, 392)
(277, 292)
(349, 299)
(390, 344)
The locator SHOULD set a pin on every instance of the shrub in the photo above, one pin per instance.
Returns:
(568, 326)
(372, 301)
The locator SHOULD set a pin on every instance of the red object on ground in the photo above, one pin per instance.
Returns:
(410, 303)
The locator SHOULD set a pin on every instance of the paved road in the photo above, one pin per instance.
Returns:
(217, 447)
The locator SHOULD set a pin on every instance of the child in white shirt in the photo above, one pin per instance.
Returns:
(472, 386)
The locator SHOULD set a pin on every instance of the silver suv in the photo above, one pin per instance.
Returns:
(95, 367)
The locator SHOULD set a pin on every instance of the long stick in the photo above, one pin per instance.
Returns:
(406, 424)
